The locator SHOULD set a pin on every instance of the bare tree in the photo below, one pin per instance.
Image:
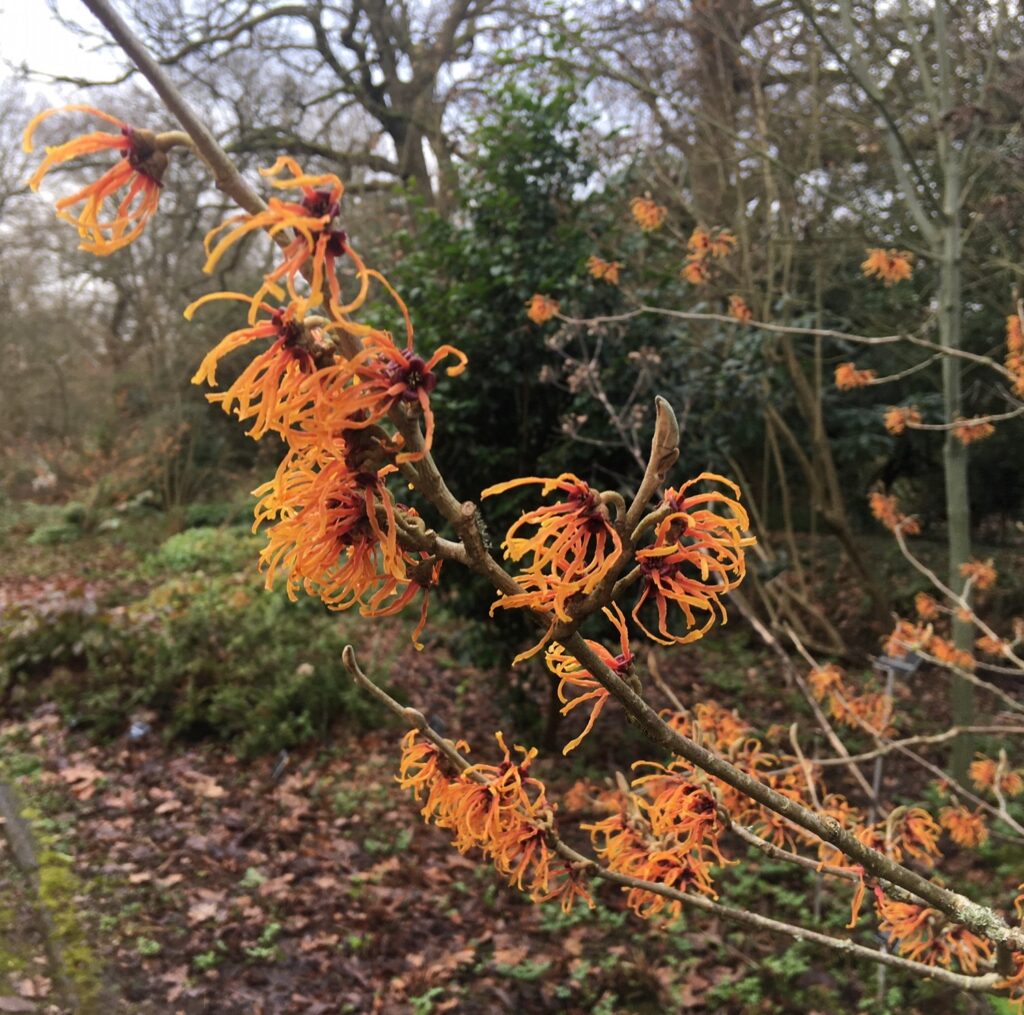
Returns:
(364, 86)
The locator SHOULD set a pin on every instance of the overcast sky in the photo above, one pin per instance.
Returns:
(30, 35)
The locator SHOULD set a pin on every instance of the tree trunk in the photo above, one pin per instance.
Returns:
(954, 452)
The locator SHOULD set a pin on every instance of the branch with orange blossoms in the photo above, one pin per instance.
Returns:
(829, 681)
(996, 417)
(421, 774)
(892, 266)
(954, 905)
(961, 602)
(748, 835)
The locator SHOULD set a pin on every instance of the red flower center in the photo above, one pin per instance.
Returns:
(414, 376)
(321, 202)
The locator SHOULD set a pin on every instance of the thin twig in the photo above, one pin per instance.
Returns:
(888, 747)
(959, 424)
(788, 329)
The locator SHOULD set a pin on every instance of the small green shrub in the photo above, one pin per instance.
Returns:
(207, 549)
(52, 533)
(220, 657)
(206, 647)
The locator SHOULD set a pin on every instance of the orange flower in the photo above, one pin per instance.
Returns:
(716, 243)
(991, 646)
(849, 377)
(1015, 352)
(499, 809)
(504, 812)
(906, 638)
(980, 573)
(908, 926)
(669, 839)
(898, 418)
(425, 771)
(824, 679)
(696, 272)
(403, 377)
(138, 174)
(948, 654)
(334, 533)
(571, 672)
(967, 432)
(699, 243)
(927, 606)
(310, 218)
(984, 771)
(838, 807)
(891, 266)
(738, 308)
(541, 308)
(966, 828)
(1014, 334)
(721, 244)
(917, 834)
(886, 508)
(722, 728)
(705, 246)
(679, 808)
(649, 215)
(697, 555)
(359, 392)
(574, 547)
(604, 271)
(871, 708)
(921, 934)
(568, 888)
(271, 389)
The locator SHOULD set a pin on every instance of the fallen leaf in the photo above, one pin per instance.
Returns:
(210, 788)
(276, 886)
(119, 801)
(511, 956)
(82, 779)
(200, 912)
(178, 980)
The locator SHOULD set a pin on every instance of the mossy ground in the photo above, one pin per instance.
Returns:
(60, 895)
(23, 955)
(46, 953)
